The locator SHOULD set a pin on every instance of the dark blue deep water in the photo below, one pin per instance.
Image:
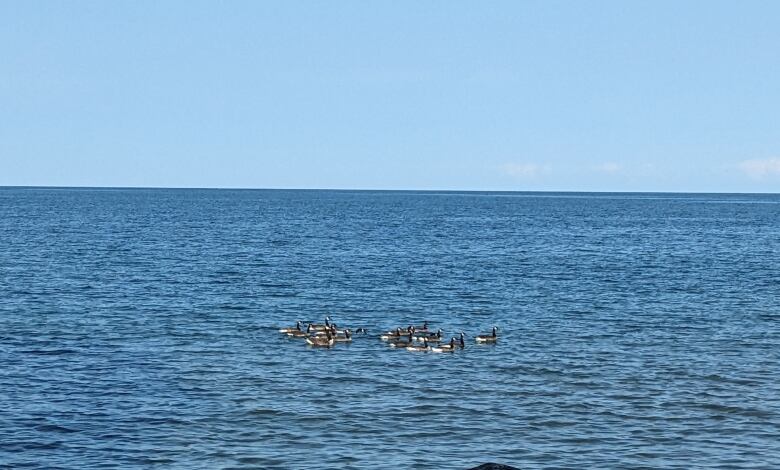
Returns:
(138, 328)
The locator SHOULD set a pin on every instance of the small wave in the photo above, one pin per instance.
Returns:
(55, 428)
(50, 352)
(736, 410)
(267, 412)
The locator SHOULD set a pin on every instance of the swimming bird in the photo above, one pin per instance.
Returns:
(402, 343)
(462, 344)
(321, 326)
(297, 327)
(343, 339)
(488, 338)
(331, 329)
(417, 347)
(327, 341)
(445, 347)
(431, 337)
(299, 333)
(392, 334)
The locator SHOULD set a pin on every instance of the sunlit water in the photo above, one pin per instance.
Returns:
(138, 327)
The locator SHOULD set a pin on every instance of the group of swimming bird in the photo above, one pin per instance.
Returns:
(411, 338)
(325, 334)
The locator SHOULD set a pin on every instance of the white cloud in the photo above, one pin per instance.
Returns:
(524, 170)
(760, 168)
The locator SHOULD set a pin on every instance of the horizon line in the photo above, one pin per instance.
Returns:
(243, 188)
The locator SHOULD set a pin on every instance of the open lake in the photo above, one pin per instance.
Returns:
(139, 327)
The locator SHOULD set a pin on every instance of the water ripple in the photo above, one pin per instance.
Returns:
(138, 328)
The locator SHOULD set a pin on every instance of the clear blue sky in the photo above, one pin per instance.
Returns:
(516, 95)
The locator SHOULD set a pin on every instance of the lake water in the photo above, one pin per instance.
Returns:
(139, 328)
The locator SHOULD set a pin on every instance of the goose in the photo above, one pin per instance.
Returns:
(361, 330)
(331, 330)
(423, 327)
(335, 330)
(299, 333)
(297, 327)
(462, 344)
(488, 338)
(343, 339)
(327, 341)
(445, 347)
(402, 343)
(392, 334)
(431, 337)
(417, 347)
(320, 326)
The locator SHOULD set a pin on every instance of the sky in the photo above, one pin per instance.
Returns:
(440, 95)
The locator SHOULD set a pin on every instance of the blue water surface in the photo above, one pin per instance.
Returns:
(138, 328)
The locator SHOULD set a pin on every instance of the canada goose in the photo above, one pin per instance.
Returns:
(327, 341)
(445, 347)
(335, 330)
(361, 330)
(320, 326)
(402, 343)
(431, 337)
(488, 338)
(423, 327)
(297, 327)
(391, 334)
(331, 329)
(299, 333)
(416, 347)
(462, 344)
(397, 333)
(343, 339)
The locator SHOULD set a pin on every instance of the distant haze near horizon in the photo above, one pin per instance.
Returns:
(508, 96)
(434, 191)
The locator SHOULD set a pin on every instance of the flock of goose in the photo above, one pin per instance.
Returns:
(412, 338)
